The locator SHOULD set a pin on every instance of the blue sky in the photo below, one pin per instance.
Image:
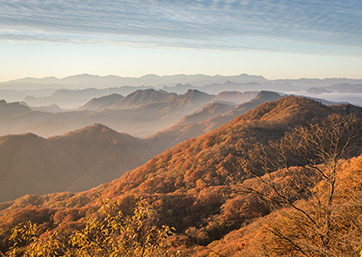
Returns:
(274, 38)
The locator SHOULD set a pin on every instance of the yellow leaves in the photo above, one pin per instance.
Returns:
(106, 233)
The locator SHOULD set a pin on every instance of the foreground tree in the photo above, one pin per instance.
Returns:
(106, 233)
(303, 228)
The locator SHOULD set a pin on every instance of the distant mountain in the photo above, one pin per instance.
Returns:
(141, 113)
(173, 83)
(228, 85)
(73, 162)
(318, 90)
(83, 81)
(346, 88)
(206, 112)
(53, 108)
(194, 97)
(340, 88)
(15, 115)
(256, 84)
(261, 98)
(305, 83)
(12, 109)
(143, 97)
(69, 99)
(162, 99)
(12, 95)
(235, 97)
(101, 102)
(178, 88)
(75, 91)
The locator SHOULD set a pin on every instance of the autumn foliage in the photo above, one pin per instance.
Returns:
(189, 188)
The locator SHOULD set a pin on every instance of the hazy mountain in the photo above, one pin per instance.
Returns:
(216, 88)
(346, 88)
(69, 99)
(83, 81)
(318, 90)
(15, 115)
(206, 112)
(12, 109)
(75, 91)
(228, 85)
(141, 113)
(235, 97)
(178, 88)
(174, 83)
(261, 98)
(75, 161)
(53, 108)
(305, 83)
(163, 99)
(143, 97)
(101, 102)
(188, 185)
(340, 88)
(12, 95)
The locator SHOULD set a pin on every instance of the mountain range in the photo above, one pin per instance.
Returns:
(96, 154)
(83, 81)
(131, 114)
(188, 185)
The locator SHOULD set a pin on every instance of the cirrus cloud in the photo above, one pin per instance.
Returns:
(277, 25)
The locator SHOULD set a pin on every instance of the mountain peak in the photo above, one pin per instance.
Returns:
(143, 97)
(270, 95)
(91, 132)
(98, 127)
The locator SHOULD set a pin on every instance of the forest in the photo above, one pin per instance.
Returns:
(283, 179)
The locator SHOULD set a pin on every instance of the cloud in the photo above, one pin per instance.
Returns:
(284, 25)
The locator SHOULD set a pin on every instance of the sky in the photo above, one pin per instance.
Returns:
(131, 38)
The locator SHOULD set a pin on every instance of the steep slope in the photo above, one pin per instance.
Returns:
(197, 124)
(188, 185)
(206, 112)
(14, 115)
(30, 164)
(101, 102)
(76, 161)
(12, 109)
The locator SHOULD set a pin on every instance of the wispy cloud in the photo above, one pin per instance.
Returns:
(282, 25)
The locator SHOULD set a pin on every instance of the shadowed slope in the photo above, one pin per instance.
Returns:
(101, 102)
(75, 161)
